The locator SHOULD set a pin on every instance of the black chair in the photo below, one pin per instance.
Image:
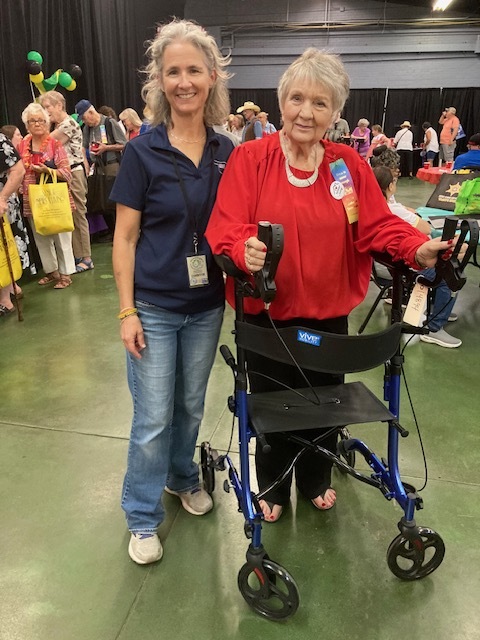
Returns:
(384, 283)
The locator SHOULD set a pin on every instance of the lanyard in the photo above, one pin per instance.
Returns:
(197, 235)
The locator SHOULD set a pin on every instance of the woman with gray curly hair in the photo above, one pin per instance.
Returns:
(334, 215)
(171, 291)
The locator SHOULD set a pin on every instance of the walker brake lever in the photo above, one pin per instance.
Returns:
(272, 236)
(452, 270)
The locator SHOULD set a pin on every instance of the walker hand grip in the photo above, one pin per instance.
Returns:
(272, 237)
(227, 356)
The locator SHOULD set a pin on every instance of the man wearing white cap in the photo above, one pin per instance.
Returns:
(448, 133)
(253, 128)
(403, 143)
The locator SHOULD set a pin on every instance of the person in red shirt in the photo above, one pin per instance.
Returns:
(333, 214)
(448, 133)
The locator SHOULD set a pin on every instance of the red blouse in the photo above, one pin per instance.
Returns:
(325, 268)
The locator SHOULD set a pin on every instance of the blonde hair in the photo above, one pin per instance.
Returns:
(132, 115)
(52, 97)
(217, 106)
(318, 68)
(34, 109)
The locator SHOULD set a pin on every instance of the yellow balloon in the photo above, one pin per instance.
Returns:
(72, 86)
(40, 87)
(37, 78)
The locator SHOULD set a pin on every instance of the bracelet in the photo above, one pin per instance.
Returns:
(127, 309)
(125, 313)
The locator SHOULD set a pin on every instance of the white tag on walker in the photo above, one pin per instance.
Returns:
(417, 305)
(197, 270)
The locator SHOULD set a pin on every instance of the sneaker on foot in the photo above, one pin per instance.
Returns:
(197, 502)
(145, 548)
(442, 338)
(452, 317)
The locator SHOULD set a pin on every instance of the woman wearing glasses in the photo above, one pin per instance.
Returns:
(40, 154)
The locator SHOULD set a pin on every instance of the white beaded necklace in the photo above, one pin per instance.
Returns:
(302, 183)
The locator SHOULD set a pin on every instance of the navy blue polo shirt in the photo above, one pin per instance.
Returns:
(148, 182)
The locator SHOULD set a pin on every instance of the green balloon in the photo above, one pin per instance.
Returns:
(64, 79)
(49, 85)
(35, 56)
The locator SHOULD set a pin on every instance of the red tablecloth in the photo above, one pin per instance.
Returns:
(433, 175)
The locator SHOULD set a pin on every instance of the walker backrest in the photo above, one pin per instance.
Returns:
(319, 350)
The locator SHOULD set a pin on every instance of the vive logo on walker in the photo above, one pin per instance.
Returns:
(308, 338)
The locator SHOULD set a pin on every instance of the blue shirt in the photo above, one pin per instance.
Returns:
(469, 159)
(148, 182)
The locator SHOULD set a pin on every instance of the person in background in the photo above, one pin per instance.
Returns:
(171, 292)
(11, 176)
(361, 137)
(444, 301)
(105, 141)
(68, 132)
(131, 121)
(340, 132)
(403, 143)
(379, 138)
(450, 125)
(386, 157)
(298, 179)
(253, 127)
(12, 133)
(42, 154)
(110, 112)
(472, 157)
(267, 127)
(430, 142)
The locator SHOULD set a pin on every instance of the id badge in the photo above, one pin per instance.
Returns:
(197, 270)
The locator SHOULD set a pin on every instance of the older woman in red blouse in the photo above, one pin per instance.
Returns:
(41, 153)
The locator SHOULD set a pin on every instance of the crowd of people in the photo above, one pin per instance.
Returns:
(194, 182)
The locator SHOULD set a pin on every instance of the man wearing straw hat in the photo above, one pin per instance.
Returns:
(253, 128)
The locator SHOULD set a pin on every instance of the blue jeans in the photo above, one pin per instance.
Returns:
(443, 304)
(168, 388)
(431, 155)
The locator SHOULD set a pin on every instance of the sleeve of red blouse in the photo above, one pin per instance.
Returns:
(232, 220)
(61, 161)
(378, 228)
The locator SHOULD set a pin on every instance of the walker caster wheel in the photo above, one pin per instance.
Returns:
(273, 593)
(416, 556)
(207, 466)
(349, 456)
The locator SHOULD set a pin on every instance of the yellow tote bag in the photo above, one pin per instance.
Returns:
(6, 237)
(50, 205)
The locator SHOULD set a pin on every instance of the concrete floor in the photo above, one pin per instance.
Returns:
(64, 570)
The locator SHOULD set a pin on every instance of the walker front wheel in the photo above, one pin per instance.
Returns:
(415, 556)
(272, 593)
(349, 456)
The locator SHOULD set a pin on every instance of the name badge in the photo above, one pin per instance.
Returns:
(341, 174)
(103, 134)
(197, 270)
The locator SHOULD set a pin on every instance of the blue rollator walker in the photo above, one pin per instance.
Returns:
(417, 551)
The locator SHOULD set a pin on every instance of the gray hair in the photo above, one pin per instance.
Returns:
(53, 97)
(217, 106)
(34, 109)
(132, 115)
(363, 122)
(318, 68)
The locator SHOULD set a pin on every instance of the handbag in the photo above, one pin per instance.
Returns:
(468, 200)
(447, 190)
(99, 187)
(50, 206)
(9, 257)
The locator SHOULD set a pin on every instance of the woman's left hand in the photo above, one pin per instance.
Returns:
(40, 168)
(427, 254)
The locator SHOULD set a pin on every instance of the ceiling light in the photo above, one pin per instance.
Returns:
(441, 5)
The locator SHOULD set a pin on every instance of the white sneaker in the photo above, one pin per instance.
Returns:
(145, 548)
(442, 338)
(197, 502)
(452, 317)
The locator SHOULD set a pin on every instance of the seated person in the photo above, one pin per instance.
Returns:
(441, 313)
(472, 157)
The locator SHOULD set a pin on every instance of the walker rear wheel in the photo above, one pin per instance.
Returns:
(415, 556)
(349, 456)
(207, 466)
(273, 593)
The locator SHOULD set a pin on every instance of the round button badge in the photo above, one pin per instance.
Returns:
(337, 190)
